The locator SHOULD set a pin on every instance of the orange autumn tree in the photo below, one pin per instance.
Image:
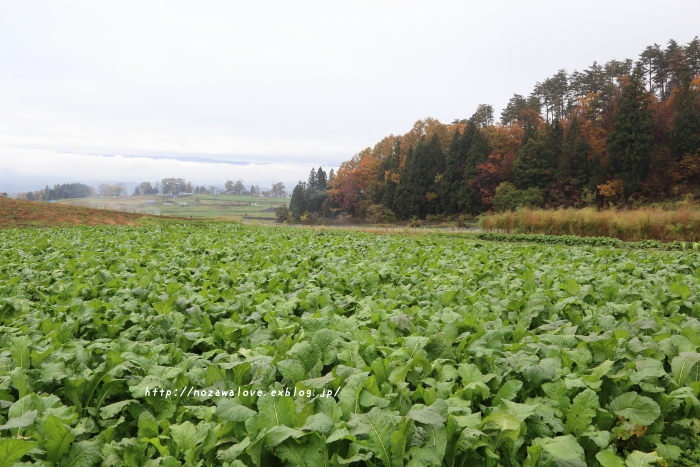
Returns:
(351, 181)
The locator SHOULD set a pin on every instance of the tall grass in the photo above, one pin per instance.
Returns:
(629, 225)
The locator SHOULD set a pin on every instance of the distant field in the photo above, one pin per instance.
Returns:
(231, 207)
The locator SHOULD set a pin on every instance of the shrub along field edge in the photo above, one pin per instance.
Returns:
(682, 225)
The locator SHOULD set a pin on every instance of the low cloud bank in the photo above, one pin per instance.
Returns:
(26, 167)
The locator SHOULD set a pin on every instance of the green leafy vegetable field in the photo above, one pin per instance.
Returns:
(118, 343)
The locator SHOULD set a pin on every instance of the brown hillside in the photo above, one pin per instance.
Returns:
(18, 214)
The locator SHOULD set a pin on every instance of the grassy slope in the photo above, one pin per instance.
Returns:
(18, 214)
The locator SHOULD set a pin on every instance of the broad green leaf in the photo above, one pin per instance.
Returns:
(19, 346)
(680, 289)
(83, 454)
(278, 409)
(557, 391)
(668, 451)
(356, 453)
(438, 346)
(319, 422)
(20, 422)
(162, 450)
(379, 428)
(468, 439)
(310, 454)
(279, 433)
(647, 368)
(338, 434)
(53, 372)
(319, 383)
(539, 374)
(571, 287)
(350, 392)
(12, 450)
(600, 371)
(581, 412)
(641, 459)
(230, 454)
(510, 389)
(307, 353)
(367, 399)
(608, 459)
(325, 341)
(58, 438)
(639, 410)
(400, 440)
(148, 426)
(232, 412)
(184, 435)
(534, 456)
(292, 369)
(436, 414)
(111, 410)
(519, 411)
(682, 365)
(601, 438)
(423, 458)
(499, 427)
(20, 380)
(561, 448)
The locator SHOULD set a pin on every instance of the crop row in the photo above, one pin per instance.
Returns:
(573, 240)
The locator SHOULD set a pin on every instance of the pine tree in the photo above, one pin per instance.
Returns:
(418, 178)
(483, 116)
(512, 112)
(389, 172)
(575, 149)
(685, 133)
(554, 140)
(316, 192)
(321, 181)
(532, 164)
(449, 182)
(692, 51)
(298, 204)
(311, 184)
(629, 144)
(476, 154)
(538, 157)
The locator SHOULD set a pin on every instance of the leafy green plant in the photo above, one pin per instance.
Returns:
(380, 350)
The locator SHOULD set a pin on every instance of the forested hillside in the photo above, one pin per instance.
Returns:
(625, 132)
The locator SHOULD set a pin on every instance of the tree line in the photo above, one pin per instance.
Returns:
(626, 132)
(310, 198)
(64, 191)
(165, 186)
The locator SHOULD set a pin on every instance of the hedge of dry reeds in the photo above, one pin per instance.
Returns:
(629, 225)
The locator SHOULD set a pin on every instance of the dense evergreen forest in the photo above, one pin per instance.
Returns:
(625, 132)
(59, 191)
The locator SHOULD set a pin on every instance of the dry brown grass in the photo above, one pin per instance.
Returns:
(629, 225)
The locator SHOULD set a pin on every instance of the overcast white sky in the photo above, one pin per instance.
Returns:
(290, 85)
